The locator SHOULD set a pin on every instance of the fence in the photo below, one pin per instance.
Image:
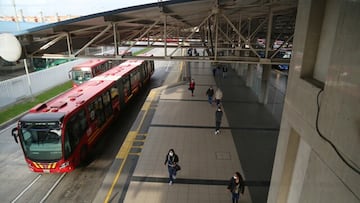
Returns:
(18, 88)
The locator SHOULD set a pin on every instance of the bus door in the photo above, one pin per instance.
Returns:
(143, 71)
(76, 127)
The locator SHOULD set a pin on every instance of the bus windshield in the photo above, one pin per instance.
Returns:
(80, 76)
(41, 140)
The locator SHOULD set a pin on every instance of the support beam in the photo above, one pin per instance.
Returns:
(95, 38)
(257, 29)
(242, 37)
(282, 45)
(52, 42)
(69, 44)
(142, 35)
(192, 33)
(226, 36)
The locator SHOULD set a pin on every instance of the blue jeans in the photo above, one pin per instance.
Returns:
(235, 197)
(172, 172)
(210, 99)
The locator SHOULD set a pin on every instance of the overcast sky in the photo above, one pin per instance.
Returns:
(64, 7)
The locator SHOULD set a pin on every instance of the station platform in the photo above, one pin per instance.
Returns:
(172, 118)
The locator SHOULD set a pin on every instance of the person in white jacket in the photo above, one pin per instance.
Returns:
(218, 96)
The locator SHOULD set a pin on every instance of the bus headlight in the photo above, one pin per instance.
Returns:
(64, 165)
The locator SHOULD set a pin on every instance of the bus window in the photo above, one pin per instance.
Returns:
(114, 92)
(96, 113)
(135, 78)
(107, 104)
(126, 83)
(91, 110)
(87, 75)
(41, 140)
(80, 76)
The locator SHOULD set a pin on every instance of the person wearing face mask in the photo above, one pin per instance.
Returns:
(171, 160)
(236, 186)
(218, 118)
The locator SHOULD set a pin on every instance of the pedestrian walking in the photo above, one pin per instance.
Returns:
(192, 86)
(210, 94)
(218, 96)
(195, 52)
(189, 52)
(218, 118)
(171, 160)
(236, 186)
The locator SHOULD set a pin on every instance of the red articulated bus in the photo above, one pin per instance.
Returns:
(91, 68)
(57, 135)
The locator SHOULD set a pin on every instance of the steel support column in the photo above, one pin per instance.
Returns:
(116, 47)
(165, 36)
(265, 77)
(266, 68)
(69, 45)
(216, 35)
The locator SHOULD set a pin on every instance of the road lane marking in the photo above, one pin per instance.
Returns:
(26, 189)
(124, 151)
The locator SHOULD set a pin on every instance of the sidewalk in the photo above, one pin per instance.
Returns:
(247, 144)
(186, 124)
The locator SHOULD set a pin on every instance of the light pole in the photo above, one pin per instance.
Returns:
(16, 17)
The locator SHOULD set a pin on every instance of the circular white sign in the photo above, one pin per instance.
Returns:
(10, 47)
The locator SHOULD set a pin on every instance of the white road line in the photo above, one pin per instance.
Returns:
(27, 188)
(52, 188)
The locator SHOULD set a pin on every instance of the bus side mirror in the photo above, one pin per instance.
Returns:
(14, 133)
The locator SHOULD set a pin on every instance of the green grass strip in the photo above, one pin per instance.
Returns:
(23, 106)
(142, 51)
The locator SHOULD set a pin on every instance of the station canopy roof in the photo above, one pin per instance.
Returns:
(214, 25)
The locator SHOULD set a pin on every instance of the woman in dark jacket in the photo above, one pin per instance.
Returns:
(171, 160)
(236, 186)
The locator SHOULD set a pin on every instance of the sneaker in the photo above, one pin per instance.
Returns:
(170, 183)
(174, 177)
(216, 132)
